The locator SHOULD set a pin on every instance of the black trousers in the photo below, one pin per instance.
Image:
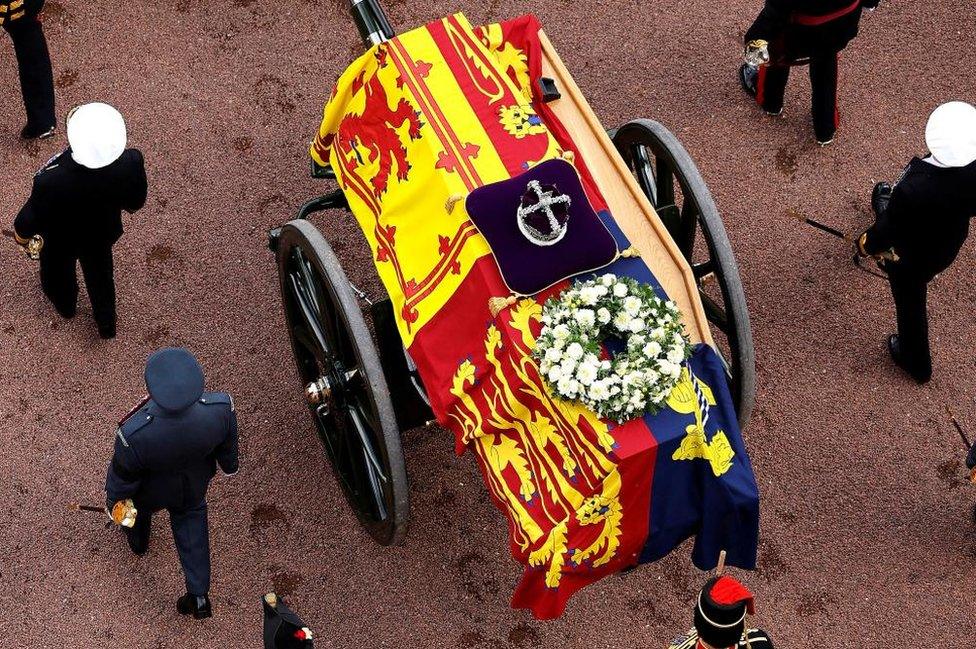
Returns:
(60, 282)
(771, 89)
(34, 66)
(909, 288)
(192, 537)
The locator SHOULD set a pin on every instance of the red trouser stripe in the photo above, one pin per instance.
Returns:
(761, 85)
(816, 21)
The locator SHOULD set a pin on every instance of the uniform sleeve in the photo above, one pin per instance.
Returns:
(32, 218)
(138, 186)
(881, 235)
(227, 452)
(124, 473)
(771, 22)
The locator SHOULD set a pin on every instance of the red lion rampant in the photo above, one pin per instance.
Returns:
(375, 130)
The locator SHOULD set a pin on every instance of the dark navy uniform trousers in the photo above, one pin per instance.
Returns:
(34, 66)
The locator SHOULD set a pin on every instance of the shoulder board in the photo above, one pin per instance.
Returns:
(212, 398)
(135, 422)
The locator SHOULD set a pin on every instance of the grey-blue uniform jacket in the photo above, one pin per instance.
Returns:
(165, 459)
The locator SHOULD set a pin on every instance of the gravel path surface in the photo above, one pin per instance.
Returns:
(867, 535)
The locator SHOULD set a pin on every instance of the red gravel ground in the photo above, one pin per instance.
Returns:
(867, 538)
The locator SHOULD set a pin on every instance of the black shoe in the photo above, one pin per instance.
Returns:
(67, 313)
(37, 132)
(107, 332)
(196, 605)
(894, 348)
(138, 543)
(748, 75)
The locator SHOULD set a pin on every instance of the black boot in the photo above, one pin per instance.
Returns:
(106, 332)
(37, 132)
(748, 74)
(894, 348)
(196, 605)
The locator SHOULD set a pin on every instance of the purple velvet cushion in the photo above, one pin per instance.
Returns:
(541, 227)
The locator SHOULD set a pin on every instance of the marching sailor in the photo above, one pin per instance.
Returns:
(74, 213)
(166, 451)
(19, 19)
(795, 32)
(720, 619)
(924, 218)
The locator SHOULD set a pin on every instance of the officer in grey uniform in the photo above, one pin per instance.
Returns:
(166, 451)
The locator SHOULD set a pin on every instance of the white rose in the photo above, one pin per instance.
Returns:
(555, 374)
(622, 321)
(588, 295)
(586, 373)
(676, 355)
(632, 305)
(620, 290)
(664, 366)
(563, 387)
(609, 279)
(599, 391)
(553, 355)
(558, 343)
(575, 351)
(636, 326)
(600, 290)
(567, 366)
(658, 333)
(603, 315)
(560, 332)
(652, 349)
(586, 317)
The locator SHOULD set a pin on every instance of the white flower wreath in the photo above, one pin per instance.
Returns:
(635, 380)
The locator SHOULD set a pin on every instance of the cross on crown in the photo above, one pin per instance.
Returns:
(548, 203)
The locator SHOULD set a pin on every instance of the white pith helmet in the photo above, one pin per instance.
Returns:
(96, 133)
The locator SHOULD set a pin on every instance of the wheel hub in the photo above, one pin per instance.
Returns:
(319, 392)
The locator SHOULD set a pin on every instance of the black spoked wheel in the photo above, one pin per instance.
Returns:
(344, 386)
(673, 184)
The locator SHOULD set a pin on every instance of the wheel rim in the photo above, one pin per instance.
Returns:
(671, 182)
(339, 391)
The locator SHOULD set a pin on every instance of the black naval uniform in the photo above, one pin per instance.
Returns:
(806, 31)
(19, 19)
(166, 453)
(925, 219)
(78, 212)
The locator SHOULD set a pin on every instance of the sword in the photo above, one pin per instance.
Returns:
(834, 232)
(78, 507)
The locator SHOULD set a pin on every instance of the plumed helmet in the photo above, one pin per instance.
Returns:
(96, 133)
(720, 612)
(174, 378)
(951, 134)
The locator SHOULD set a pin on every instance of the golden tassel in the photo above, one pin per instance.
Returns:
(630, 252)
(497, 304)
(569, 156)
(453, 200)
